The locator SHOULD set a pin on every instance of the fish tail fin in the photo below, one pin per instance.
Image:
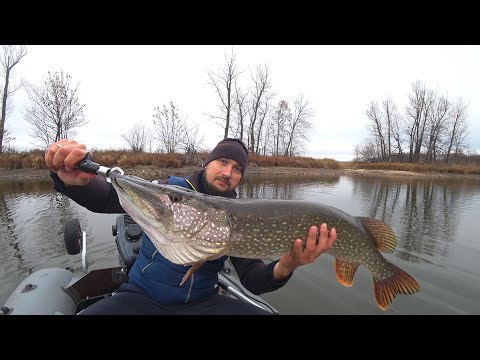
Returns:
(400, 283)
(345, 271)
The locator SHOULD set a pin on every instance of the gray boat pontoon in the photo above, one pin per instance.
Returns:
(58, 291)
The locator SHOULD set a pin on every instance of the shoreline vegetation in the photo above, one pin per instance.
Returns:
(154, 165)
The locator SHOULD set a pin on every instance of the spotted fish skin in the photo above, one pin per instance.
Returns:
(189, 228)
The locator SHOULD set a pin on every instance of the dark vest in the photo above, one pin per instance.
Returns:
(160, 279)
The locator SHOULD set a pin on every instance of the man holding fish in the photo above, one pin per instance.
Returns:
(158, 285)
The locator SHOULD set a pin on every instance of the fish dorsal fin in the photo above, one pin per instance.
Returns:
(381, 232)
(345, 271)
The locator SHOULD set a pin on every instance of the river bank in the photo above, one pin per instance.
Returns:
(151, 172)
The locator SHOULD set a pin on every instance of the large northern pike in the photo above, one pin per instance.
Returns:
(189, 228)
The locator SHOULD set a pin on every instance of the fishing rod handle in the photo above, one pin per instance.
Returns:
(87, 165)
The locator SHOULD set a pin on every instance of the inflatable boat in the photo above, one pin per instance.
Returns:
(58, 291)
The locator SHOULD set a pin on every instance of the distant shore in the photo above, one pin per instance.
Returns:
(151, 172)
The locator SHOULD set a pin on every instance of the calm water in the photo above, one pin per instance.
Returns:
(436, 221)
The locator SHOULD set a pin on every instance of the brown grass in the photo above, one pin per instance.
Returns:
(296, 162)
(414, 167)
(127, 159)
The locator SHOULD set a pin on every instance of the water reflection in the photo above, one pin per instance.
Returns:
(435, 220)
(422, 211)
(260, 186)
(436, 223)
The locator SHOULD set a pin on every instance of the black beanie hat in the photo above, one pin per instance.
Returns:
(230, 148)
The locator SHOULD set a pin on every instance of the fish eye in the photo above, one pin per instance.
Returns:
(175, 197)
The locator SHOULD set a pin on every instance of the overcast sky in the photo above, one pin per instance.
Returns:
(121, 85)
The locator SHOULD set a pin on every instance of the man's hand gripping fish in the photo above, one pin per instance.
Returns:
(189, 228)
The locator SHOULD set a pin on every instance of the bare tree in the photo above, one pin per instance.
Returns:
(269, 131)
(391, 116)
(382, 128)
(7, 139)
(436, 123)
(414, 113)
(281, 116)
(457, 129)
(149, 138)
(263, 111)
(366, 152)
(421, 102)
(241, 111)
(192, 143)
(258, 95)
(170, 128)
(136, 138)
(54, 110)
(297, 128)
(435, 128)
(224, 86)
(10, 57)
(397, 133)
(377, 129)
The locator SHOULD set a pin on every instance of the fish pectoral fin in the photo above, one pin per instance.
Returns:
(345, 271)
(190, 271)
(381, 232)
(385, 290)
